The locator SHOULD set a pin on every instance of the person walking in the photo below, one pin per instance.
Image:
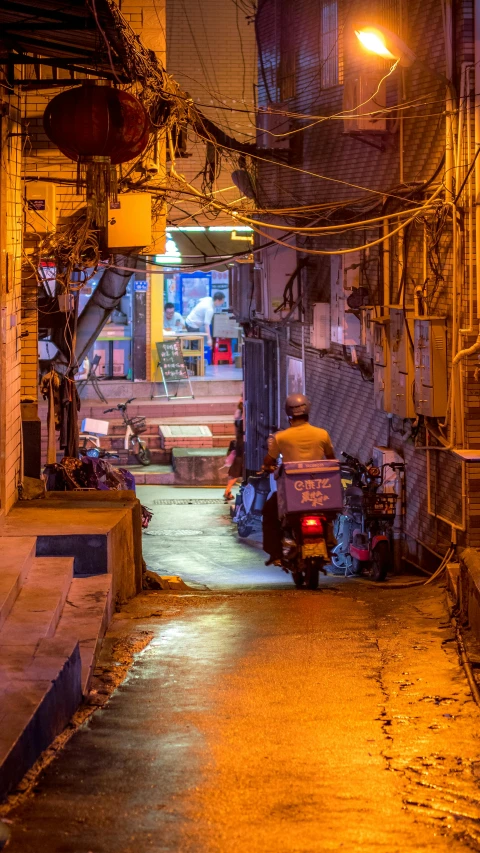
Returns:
(236, 468)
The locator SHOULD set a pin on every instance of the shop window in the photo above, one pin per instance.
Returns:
(329, 37)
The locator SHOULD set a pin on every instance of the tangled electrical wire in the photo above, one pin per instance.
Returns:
(74, 253)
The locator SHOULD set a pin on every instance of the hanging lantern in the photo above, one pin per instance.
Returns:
(98, 127)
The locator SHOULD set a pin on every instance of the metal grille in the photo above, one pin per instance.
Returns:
(260, 399)
(329, 44)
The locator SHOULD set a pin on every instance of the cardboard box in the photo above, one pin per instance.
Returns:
(307, 486)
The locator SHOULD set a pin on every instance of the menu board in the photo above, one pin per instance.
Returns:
(170, 359)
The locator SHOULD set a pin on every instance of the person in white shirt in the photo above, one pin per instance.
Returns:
(172, 320)
(200, 317)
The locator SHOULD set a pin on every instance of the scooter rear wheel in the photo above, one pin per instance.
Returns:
(311, 576)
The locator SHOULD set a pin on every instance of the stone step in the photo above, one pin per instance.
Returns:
(39, 604)
(17, 555)
(153, 475)
(40, 690)
(87, 612)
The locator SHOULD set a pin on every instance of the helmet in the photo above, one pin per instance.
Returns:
(297, 405)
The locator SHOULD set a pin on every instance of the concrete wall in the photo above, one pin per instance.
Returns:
(10, 298)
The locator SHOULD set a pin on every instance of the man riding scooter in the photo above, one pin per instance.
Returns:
(301, 442)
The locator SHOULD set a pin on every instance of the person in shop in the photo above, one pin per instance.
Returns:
(172, 320)
(235, 455)
(200, 317)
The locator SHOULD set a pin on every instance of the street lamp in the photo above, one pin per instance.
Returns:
(386, 44)
(382, 42)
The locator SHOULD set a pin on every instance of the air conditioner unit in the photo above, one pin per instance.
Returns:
(271, 129)
(364, 98)
(320, 331)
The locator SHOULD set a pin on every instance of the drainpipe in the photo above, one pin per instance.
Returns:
(108, 293)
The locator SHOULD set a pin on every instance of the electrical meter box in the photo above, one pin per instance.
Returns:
(381, 364)
(401, 362)
(430, 357)
(40, 204)
(279, 263)
(130, 221)
(345, 326)
(320, 331)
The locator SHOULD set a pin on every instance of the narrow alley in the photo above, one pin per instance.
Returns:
(264, 718)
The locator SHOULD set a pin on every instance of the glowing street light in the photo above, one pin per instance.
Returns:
(386, 44)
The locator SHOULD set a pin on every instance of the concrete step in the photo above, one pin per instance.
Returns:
(199, 466)
(86, 615)
(17, 555)
(153, 475)
(40, 690)
(39, 604)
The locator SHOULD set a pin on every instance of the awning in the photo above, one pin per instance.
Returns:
(72, 36)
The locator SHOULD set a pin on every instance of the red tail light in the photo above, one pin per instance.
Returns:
(312, 525)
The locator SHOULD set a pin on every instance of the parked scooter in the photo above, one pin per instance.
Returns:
(133, 428)
(363, 529)
(250, 502)
(89, 445)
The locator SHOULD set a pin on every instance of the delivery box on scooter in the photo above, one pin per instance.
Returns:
(307, 486)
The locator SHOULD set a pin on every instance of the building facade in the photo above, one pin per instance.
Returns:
(363, 290)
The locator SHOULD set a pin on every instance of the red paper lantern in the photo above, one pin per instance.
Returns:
(95, 120)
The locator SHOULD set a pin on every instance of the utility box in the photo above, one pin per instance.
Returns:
(345, 326)
(40, 204)
(430, 358)
(384, 456)
(381, 364)
(130, 221)
(401, 362)
(369, 315)
(279, 264)
(320, 332)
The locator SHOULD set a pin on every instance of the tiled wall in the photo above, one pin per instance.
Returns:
(329, 164)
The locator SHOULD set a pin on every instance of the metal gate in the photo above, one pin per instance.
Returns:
(260, 384)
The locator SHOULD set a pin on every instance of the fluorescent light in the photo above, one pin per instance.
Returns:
(229, 228)
(191, 228)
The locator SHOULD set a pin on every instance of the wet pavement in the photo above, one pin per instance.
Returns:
(264, 718)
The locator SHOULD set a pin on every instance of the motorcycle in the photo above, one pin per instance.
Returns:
(133, 428)
(309, 496)
(363, 529)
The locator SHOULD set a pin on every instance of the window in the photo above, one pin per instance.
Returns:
(329, 43)
(288, 57)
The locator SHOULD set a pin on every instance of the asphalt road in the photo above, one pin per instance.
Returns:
(271, 719)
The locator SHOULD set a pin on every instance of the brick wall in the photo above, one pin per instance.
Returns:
(329, 164)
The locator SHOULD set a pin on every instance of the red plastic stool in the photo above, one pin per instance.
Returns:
(222, 351)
